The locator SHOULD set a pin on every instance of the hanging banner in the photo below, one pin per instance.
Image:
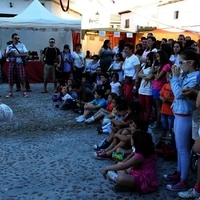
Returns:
(129, 35)
(18, 29)
(116, 34)
(102, 33)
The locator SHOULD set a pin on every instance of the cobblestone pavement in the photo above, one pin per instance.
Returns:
(45, 154)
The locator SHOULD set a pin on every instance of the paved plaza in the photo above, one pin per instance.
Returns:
(45, 154)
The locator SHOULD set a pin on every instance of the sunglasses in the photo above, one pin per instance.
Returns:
(51, 42)
(183, 62)
(16, 38)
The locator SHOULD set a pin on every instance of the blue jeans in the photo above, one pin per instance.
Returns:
(183, 134)
(167, 122)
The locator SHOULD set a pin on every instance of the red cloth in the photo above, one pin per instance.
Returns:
(34, 71)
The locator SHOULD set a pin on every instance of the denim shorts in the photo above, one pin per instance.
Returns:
(156, 94)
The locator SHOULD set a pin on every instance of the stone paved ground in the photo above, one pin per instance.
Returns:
(45, 154)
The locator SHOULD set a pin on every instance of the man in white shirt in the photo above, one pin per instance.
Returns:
(130, 68)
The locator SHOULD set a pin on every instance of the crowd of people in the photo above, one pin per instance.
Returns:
(125, 90)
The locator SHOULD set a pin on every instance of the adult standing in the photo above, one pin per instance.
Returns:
(15, 52)
(51, 60)
(131, 67)
(151, 47)
(67, 61)
(119, 48)
(79, 62)
(106, 55)
(181, 39)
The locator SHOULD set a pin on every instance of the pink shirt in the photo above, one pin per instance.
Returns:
(158, 84)
(147, 173)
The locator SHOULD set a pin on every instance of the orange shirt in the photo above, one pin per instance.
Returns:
(166, 92)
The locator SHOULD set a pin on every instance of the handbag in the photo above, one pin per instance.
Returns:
(24, 59)
(128, 80)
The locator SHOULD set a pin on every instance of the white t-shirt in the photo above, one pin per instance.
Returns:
(78, 59)
(117, 66)
(115, 87)
(129, 66)
(22, 49)
(145, 87)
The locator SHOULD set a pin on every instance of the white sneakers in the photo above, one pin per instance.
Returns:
(191, 193)
(80, 119)
(112, 175)
(89, 120)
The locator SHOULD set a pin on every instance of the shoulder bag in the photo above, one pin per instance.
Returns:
(80, 59)
(24, 59)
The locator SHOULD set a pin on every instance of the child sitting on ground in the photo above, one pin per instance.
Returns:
(113, 100)
(127, 114)
(97, 103)
(85, 82)
(67, 99)
(139, 172)
(121, 138)
(57, 97)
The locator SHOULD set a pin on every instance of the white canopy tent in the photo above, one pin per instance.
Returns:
(35, 25)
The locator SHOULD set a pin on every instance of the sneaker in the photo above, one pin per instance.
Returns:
(180, 186)
(80, 119)
(117, 156)
(172, 177)
(101, 145)
(99, 129)
(191, 193)
(24, 94)
(112, 175)
(10, 94)
(89, 120)
(101, 155)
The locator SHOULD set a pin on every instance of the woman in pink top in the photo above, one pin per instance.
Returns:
(138, 171)
(160, 68)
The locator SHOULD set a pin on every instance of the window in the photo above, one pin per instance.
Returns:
(127, 23)
(176, 14)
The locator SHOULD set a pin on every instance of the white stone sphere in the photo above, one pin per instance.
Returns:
(6, 113)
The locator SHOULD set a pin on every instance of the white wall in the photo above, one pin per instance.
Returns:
(92, 45)
(188, 15)
(163, 16)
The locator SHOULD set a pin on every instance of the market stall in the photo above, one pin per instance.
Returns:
(35, 26)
